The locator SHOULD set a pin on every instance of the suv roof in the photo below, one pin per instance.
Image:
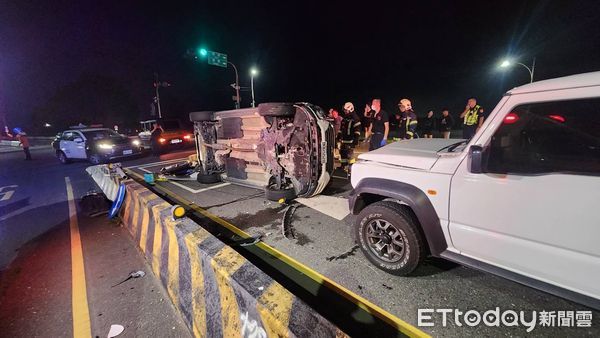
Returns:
(87, 129)
(573, 81)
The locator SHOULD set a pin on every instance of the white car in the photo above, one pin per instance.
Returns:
(97, 145)
(520, 199)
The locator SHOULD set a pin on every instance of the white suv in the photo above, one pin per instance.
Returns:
(520, 199)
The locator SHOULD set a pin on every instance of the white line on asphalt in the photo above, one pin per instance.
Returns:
(336, 207)
(153, 164)
(195, 191)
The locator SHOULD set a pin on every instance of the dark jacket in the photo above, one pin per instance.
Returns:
(446, 123)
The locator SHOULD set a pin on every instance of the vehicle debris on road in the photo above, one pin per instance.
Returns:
(134, 274)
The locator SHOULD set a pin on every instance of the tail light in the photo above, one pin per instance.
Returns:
(557, 118)
(511, 118)
(162, 140)
(188, 137)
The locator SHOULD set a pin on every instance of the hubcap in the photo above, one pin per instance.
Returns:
(385, 240)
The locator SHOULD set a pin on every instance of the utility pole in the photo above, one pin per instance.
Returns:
(156, 85)
(237, 86)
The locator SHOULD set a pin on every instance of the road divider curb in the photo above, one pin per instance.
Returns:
(215, 289)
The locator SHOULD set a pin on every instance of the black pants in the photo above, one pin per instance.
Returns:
(27, 153)
(155, 146)
(469, 131)
(346, 152)
(375, 141)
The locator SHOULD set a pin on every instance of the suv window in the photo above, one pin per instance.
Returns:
(548, 137)
(68, 136)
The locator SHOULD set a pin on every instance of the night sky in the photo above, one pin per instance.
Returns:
(435, 53)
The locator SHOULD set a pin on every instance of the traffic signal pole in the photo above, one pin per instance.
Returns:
(237, 86)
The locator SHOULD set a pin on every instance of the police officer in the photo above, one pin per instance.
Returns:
(380, 126)
(349, 134)
(472, 118)
(408, 120)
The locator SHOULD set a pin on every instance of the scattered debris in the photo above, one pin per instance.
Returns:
(345, 255)
(248, 241)
(261, 288)
(360, 287)
(94, 204)
(135, 274)
(115, 330)
(286, 223)
(387, 287)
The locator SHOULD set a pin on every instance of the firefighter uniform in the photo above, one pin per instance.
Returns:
(471, 121)
(408, 125)
(348, 136)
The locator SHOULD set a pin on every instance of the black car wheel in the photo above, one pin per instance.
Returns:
(62, 157)
(95, 159)
(389, 237)
(209, 178)
(273, 194)
(276, 109)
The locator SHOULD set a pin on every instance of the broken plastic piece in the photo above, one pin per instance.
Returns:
(115, 330)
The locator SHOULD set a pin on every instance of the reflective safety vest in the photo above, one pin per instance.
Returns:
(472, 116)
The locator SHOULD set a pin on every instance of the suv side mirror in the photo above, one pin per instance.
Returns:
(475, 159)
(78, 140)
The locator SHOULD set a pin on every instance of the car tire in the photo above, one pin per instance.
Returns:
(287, 194)
(276, 109)
(397, 226)
(62, 157)
(209, 178)
(95, 159)
(199, 116)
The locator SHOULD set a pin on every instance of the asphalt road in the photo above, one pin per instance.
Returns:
(36, 257)
(325, 243)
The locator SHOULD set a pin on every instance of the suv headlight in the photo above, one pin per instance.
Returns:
(136, 143)
(105, 146)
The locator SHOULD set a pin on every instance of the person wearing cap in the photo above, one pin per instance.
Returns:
(408, 120)
(380, 126)
(349, 134)
(472, 118)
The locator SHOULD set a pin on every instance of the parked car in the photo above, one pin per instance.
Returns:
(174, 136)
(97, 145)
(285, 148)
(518, 200)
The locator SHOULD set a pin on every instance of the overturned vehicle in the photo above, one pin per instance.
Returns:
(285, 148)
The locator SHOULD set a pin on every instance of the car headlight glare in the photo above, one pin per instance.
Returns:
(105, 146)
(136, 143)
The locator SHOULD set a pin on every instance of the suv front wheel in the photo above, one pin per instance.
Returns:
(389, 236)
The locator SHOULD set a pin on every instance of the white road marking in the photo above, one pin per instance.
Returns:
(6, 195)
(336, 207)
(195, 191)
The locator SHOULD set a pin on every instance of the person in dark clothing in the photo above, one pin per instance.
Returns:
(428, 125)
(366, 120)
(472, 118)
(380, 126)
(446, 123)
(408, 120)
(23, 142)
(155, 139)
(349, 134)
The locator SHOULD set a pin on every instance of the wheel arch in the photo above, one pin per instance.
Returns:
(372, 190)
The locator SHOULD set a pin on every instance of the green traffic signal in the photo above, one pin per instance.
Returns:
(202, 51)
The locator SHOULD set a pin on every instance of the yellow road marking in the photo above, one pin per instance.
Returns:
(358, 300)
(81, 313)
(173, 263)
(274, 307)
(198, 294)
(156, 248)
(225, 263)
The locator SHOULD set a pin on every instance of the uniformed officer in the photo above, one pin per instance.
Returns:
(408, 120)
(472, 118)
(349, 134)
(380, 126)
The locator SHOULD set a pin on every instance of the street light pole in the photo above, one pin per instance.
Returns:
(237, 86)
(530, 70)
(253, 72)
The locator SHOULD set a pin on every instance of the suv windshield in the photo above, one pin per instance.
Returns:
(101, 134)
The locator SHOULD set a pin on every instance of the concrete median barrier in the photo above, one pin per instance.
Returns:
(217, 291)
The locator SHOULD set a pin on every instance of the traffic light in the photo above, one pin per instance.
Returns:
(202, 52)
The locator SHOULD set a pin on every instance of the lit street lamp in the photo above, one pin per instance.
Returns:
(253, 72)
(507, 63)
